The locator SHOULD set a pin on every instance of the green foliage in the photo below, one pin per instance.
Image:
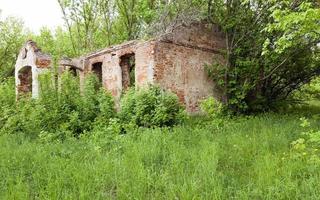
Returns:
(212, 107)
(150, 107)
(307, 146)
(12, 36)
(298, 26)
(7, 93)
(96, 24)
(249, 158)
(215, 112)
(7, 100)
(57, 43)
(271, 51)
(61, 110)
(308, 92)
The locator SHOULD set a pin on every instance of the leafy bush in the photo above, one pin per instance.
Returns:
(271, 51)
(61, 110)
(308, 145)
(214, 111)
(212, 107)
(310, 91)
(7, 92)
(150, 107)
(7, 100)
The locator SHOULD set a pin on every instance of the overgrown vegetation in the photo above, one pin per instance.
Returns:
(59, 111)
(151, 107)
(69, 144)
(72, 144)
(271, 46)
(271, 51)
(63, 111)
(247, 158)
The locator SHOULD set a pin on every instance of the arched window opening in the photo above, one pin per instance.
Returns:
(97, 70)
(127, 64)
(25, 78)
(73, 71)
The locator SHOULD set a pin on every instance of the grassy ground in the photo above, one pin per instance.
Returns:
(246, 158)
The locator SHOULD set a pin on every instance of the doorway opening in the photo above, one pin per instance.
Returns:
(73, 71)
(25, 78)
(127, 64)
(97, 70)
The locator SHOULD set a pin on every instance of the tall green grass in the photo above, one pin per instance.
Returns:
(246, 158)
(72, 145)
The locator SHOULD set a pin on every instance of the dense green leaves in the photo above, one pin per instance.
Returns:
(271, 51)
(60, 111)
(297, 26)
(12, 36)
(150, 107)
(247, 158)
(272, 47)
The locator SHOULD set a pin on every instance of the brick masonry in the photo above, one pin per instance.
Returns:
(31, 62)
(175, 61)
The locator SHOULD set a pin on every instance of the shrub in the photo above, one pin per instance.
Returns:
(7, 93)
(150, 107)
(7, 100)
(60, 110)
(214, 111)
(307, 92)
(307, 146)
(212, 107)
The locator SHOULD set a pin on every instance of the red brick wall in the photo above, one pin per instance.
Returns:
(175, 61)
(145, 63)
(25, 77)
(205, 36)
(112, 72)
(181, 70)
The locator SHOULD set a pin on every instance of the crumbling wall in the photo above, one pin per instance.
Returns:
(200, 35)
(182, 70)
(116, 69)
(145, 63)
(175, 61)
(112, 72)
(31, 62)
(180, 63)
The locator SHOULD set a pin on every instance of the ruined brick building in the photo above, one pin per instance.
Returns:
(175, 61)
(30, 63)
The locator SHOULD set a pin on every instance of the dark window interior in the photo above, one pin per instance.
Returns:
(25, 77)
(73, 71)
(97, 70)
(127, 64)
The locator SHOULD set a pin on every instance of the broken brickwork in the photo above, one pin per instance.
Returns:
(175, 61)
(30, 64)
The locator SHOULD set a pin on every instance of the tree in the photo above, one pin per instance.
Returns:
(12, 36)
(170, 14)
(254, 79)
(293, 37)
(80, 17)
(108, 13)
